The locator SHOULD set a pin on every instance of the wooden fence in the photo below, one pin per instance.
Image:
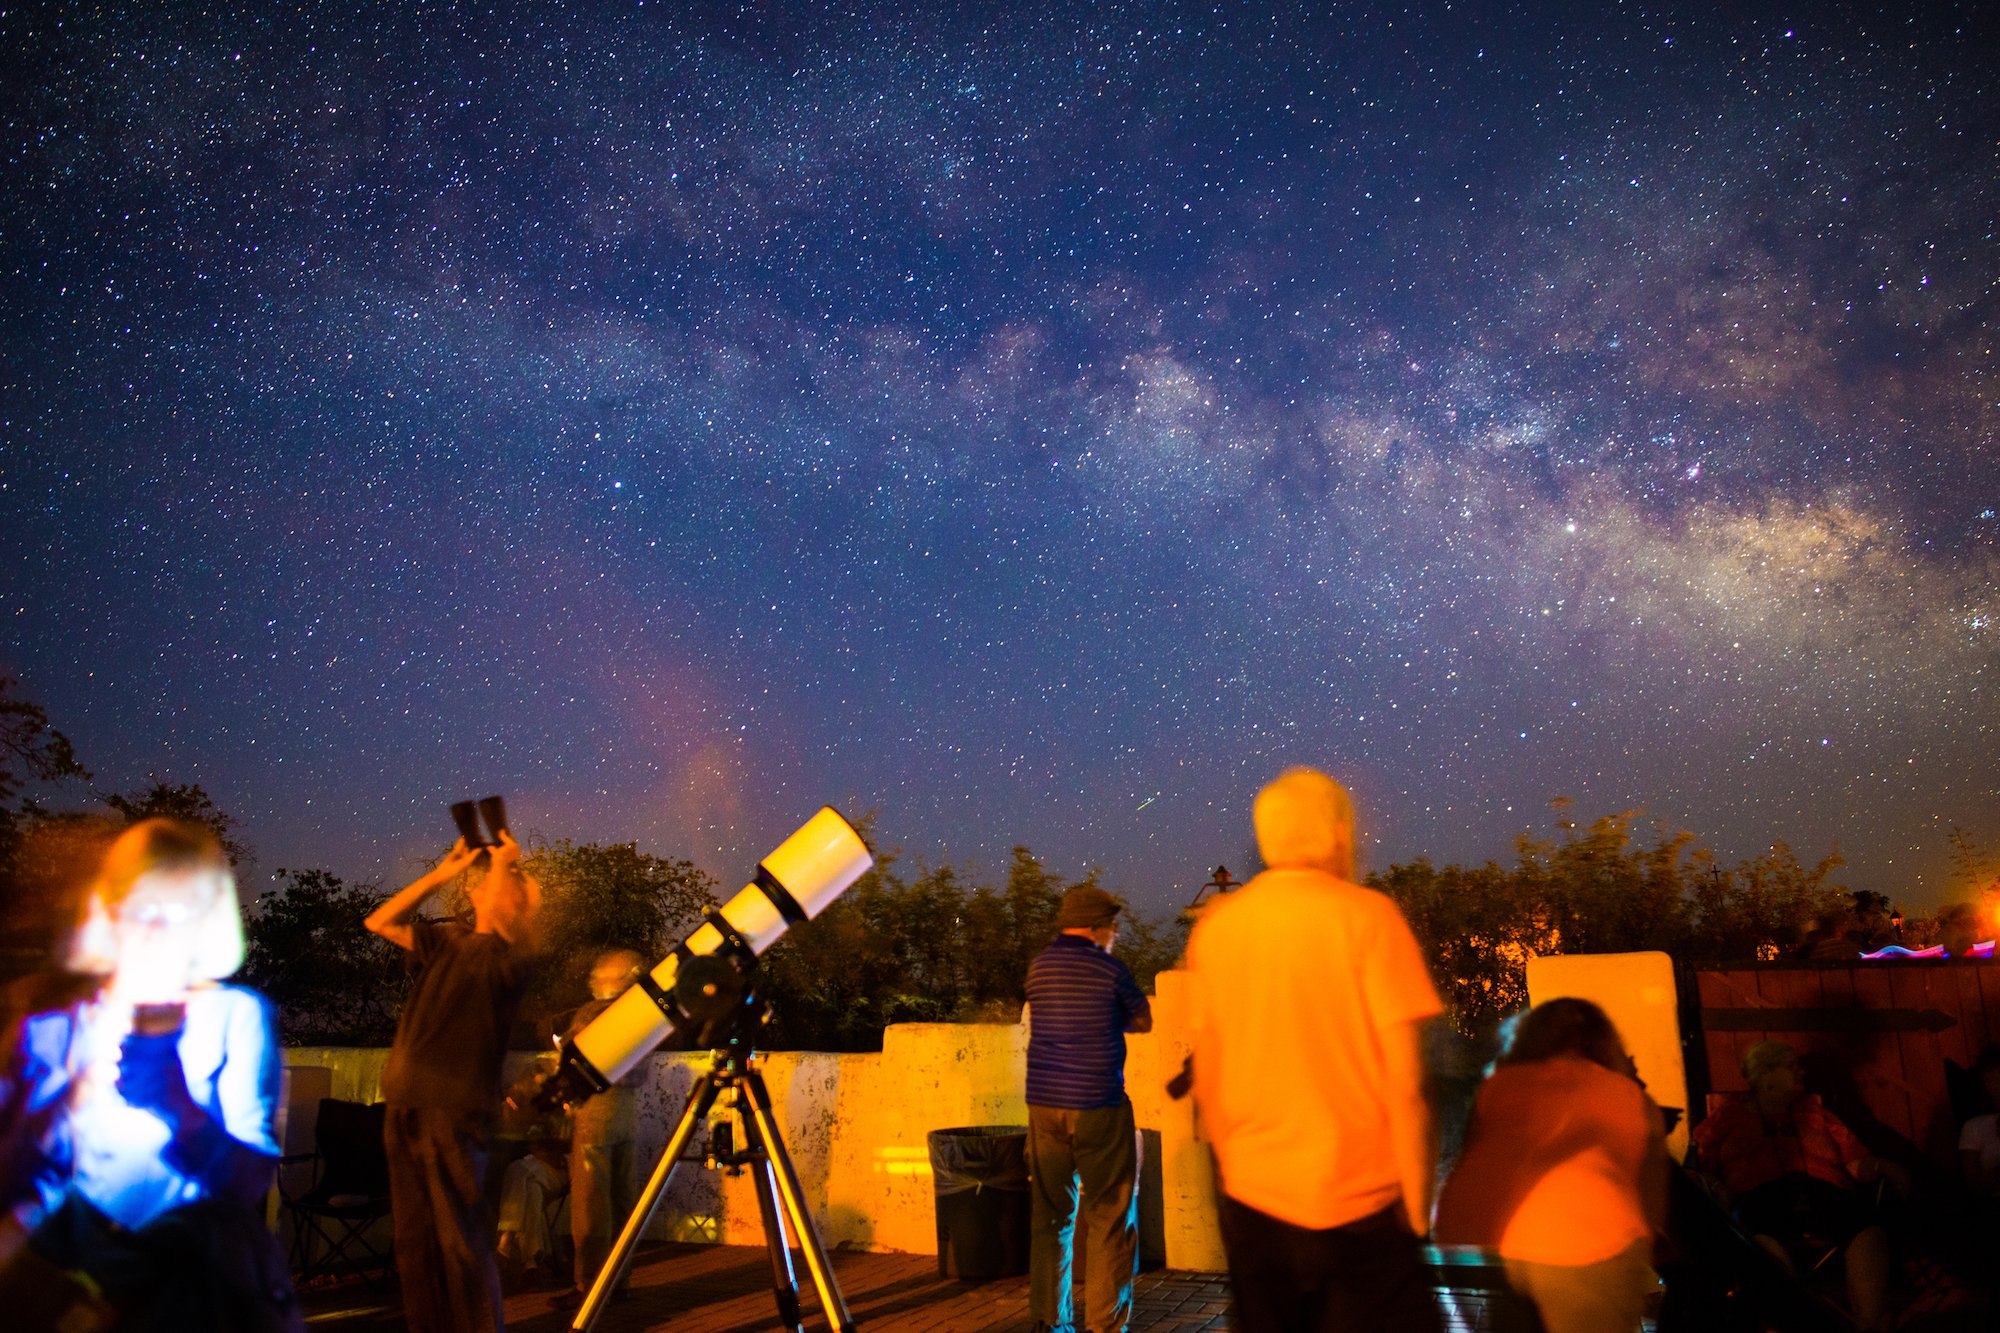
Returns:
(1874, 1038)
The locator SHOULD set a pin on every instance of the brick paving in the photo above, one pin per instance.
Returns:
(727, 1289)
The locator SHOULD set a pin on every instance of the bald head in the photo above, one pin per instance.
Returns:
(1305, 821)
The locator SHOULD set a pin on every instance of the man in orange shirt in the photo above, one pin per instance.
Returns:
(1310, 999)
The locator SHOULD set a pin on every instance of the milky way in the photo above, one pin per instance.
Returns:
(1032, 425)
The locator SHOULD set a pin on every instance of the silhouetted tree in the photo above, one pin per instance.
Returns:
(598, 896)
(188, 803)
(334, 983)
(1598, 890)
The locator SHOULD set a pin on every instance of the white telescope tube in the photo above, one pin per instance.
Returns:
(794, 883)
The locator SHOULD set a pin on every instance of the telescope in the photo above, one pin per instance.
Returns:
(793, 884)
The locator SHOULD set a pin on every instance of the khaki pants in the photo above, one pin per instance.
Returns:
(1100, 1149)
(1607, 1297)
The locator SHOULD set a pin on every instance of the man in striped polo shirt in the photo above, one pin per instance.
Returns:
(1081, 1003)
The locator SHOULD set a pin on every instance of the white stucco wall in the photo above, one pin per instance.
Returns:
(856, 1126)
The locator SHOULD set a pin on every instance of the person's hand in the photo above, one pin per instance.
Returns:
(507, 852)
(150, 1076)
(457, 859)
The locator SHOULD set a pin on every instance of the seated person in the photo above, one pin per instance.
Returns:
(1792, 1174)
(1979, 1140)
(152, 1179)
(1564, 1172)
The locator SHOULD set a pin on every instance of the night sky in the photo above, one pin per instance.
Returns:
(1034, 424)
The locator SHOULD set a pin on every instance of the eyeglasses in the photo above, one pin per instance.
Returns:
(156, 912)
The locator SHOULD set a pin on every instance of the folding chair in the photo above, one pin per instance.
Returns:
(348, 1195)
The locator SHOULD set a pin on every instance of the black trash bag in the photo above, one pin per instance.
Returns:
(980, 1173)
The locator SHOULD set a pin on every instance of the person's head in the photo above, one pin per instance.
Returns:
(1305, 820)
(614, 970)
(1089, 911)
(161, 913)
(1871, 912)
(1566, 1027)
(1773, 1073)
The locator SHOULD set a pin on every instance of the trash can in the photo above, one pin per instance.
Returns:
(981, 1176)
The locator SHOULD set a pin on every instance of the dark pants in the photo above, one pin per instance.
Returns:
(208, 1267)
(1099, 1148)
(444, 1220)
(1363, 1276)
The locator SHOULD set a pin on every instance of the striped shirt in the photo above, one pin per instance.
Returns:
(1080, 1001)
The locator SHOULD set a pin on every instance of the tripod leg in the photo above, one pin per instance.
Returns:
(784, 1281)
(700, 1098)
(793, 1195)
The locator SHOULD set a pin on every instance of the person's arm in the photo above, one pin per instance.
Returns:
(1132, 1001)
(523, 931)
(1412, 1131)
(392, 919)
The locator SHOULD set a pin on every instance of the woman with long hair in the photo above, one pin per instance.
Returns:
(1564, 1172)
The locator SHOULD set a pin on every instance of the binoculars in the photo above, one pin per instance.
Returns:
(467, 814)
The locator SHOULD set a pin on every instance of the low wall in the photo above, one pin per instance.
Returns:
(856, 1127)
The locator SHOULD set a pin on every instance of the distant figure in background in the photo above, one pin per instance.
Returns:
(1792, 1174)
(1081, 1003)
(1564, 1172)
(603, 1130)
(1826, 939)
(443, 1083)
(1958, 930)
(1310, 1000)
(165, 1089)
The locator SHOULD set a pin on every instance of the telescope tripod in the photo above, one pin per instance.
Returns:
(779, 1195)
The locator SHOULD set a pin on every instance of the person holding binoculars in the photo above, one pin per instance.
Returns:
(442, 1082)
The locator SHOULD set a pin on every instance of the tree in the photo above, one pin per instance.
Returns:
(334, 983)
(188, 803)
(929, 949)
(598, 896)
(31, 751)
(40, 872)
(1598, 890)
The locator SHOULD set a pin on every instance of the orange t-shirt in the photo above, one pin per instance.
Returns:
(1552, 1162)
(1296, 975)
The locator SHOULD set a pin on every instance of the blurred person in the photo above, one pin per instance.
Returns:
(1081, 1003)
(1564, 1172)
(1959, 932)
(1979, 1137)
(1825, 940)
(1792, 1173)
(159, 1093)
(442, 1082)
(603, 1131)
(1310, 1001)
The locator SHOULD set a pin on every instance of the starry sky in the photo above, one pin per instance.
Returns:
(1033, 423)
